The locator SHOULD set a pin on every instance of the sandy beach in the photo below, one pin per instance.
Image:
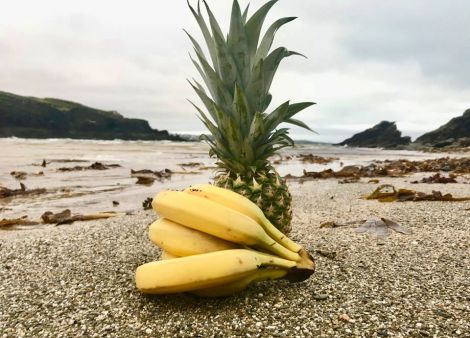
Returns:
(77, 280)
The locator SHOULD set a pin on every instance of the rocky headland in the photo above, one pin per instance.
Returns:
(31, 117)
(455, 133)
(382, 135)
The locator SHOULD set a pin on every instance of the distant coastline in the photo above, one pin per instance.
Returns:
(44, 118)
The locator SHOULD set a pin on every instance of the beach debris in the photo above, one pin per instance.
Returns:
(335, 224)
(447, 164)
(6, 192)
(93, 166)
(67, 160)
(7, 223)
(326, 254)
(388, 193)
(191, 164)
(381, 227)
(147, 176)
(198, 165)
(320, 296)
(315, 159)
(147, 203)
(19, 175)
(395, 168)
(145, 180)
(330, 224)
(45, 162)
(22, 175)
(208, 167)
(115, 203)
(374, 181)
(349, 180)
(437, 178)
(66, 217)
(345, 318)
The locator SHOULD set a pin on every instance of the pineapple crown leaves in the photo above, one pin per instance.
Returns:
(238, 80)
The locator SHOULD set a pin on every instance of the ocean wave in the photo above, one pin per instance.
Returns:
(18, 140)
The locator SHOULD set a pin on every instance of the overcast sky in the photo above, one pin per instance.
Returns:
(368, 60)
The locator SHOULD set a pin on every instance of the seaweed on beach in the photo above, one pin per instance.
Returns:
(147, 203)
(388, 193)
(19, 175)
(388, 168)
(94, 166)
(315, 159)
(147, 176)
(8, 223)
(437, 178)
(66, 217)
(6, 192)
(191, 164)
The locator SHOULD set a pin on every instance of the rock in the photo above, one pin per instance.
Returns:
(383, 135)
(455, 133)
(31, 117)
(320, 296)
(345, 318)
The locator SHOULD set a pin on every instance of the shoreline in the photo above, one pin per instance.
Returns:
(77, 279)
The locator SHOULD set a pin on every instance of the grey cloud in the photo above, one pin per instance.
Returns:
(360, 67)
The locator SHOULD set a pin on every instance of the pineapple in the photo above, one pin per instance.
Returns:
(243, 136)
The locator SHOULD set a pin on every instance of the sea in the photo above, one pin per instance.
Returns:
(90, 191)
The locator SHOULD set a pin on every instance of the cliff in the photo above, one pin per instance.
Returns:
(456, 132)
(31, 117)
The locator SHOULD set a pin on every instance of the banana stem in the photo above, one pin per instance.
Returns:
(270, 260)
(279, 236)
(281, 251)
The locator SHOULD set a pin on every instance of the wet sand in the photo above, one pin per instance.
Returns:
(90, 191)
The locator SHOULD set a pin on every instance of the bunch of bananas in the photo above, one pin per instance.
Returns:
(216, 242)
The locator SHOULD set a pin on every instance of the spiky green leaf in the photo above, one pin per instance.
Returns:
(253, 27)
(194, 42)
(238, 44)
(299, 124)
(240, 106)
(297, 107)
(276, 117)
(268, 38)
(217, 87)
(207, 101)
(205, 32)
(256, 88)
(245, 14)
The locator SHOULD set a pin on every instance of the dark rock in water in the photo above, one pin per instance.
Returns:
(31, 117)
(383, 135)
(455, 133)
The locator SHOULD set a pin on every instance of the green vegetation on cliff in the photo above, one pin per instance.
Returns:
(31, 117)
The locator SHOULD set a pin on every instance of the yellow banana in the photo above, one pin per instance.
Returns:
(236, 286)
(183, 241)
(218, 220)
(242, 204)
(241, 284)
(167, 255)
(203, 271)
